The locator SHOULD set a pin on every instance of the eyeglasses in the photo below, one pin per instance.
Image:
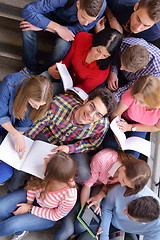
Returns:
(92, 108)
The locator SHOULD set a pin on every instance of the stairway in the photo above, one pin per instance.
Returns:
(10, 37)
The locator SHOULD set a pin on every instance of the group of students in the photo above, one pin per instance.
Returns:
(87, 152)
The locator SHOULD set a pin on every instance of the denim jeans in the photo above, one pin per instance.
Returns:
(30, 52)
(57, 83)
(110, 141)
(11, 224)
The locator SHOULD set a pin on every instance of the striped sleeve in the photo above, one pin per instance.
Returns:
(31, 195)
(64, 207)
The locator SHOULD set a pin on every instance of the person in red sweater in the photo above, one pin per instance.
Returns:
(89, 58)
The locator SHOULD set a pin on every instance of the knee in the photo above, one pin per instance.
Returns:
(82, 175)
(6, 172)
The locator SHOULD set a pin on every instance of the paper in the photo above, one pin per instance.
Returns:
(132, 143)
(33, 159)
(68, 83)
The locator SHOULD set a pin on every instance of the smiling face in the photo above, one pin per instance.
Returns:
(99, 52)
(91, 111)
(122, 179)
(34, 104)
(140, 20)
(83, 17)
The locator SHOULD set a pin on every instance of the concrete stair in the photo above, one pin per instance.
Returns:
(10, 37)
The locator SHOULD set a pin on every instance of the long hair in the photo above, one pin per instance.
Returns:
(149, 87)
(111, 39)
(39, 88)
(61, 167)
(137, 171)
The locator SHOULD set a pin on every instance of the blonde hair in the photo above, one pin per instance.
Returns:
(135, 58)
(39, 88)
(149, 87)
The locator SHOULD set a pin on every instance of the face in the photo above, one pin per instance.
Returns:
(122, 179)
(140, 20)
(91, 111)
(83, 17)
(34, 104)
(99, 52)
(140, 100)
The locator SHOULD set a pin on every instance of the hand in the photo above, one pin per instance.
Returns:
(123, 125)
(25, 26)
(112, 81)
(99, 232)
(100, 25)
(22, 208)
(54, 72)
(65, 33)
(115, 25)
(19, 144)
(96, 202)
(63, 148)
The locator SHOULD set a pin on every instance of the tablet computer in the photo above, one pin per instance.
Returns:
(89, 219)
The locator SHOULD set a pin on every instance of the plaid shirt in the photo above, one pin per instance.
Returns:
(152, 68)
(59, 126)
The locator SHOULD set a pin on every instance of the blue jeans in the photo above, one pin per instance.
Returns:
(6, 171)
(11, 224)
(30, 52)
(110, 141)
(57, 83)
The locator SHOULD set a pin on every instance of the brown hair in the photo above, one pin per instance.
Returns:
(149, 87)
(92, 7)
(144, 209)
(106, 97)
(39, 88)
(153, 8)
(61, 167)
(137, 171)
(135, 58)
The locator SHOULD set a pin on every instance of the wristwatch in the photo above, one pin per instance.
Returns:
(133, 128)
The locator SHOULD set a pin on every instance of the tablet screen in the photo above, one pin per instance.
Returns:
(89, 219)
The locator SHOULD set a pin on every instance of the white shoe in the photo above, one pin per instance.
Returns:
(19, 237)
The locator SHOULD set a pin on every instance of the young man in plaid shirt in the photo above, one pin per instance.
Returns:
(76, 127)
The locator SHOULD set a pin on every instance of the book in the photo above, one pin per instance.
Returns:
(33, 159)
(132, 143)
(68, 82)
(89, 219)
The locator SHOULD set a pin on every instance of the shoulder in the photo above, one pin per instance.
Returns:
(83, 38)
(127, 96)
(14, 79)
(65, 99)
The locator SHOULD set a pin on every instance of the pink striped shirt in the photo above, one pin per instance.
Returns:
(103, 165)
(55, 205)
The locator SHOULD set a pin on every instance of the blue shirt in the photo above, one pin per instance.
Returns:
(34, 13)
(8, 89)
(112, 212)
(122, 9)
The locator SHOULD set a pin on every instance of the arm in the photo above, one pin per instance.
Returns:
(85, 194)
(55, 214)
(113, 21)
(124, 127)
(93, 142)
(38, 127)
(18, 138)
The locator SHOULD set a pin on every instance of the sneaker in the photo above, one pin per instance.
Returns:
(21, 236)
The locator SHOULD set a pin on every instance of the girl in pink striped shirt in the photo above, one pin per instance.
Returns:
(44, 202)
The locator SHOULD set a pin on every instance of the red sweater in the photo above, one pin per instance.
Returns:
(85, 76)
